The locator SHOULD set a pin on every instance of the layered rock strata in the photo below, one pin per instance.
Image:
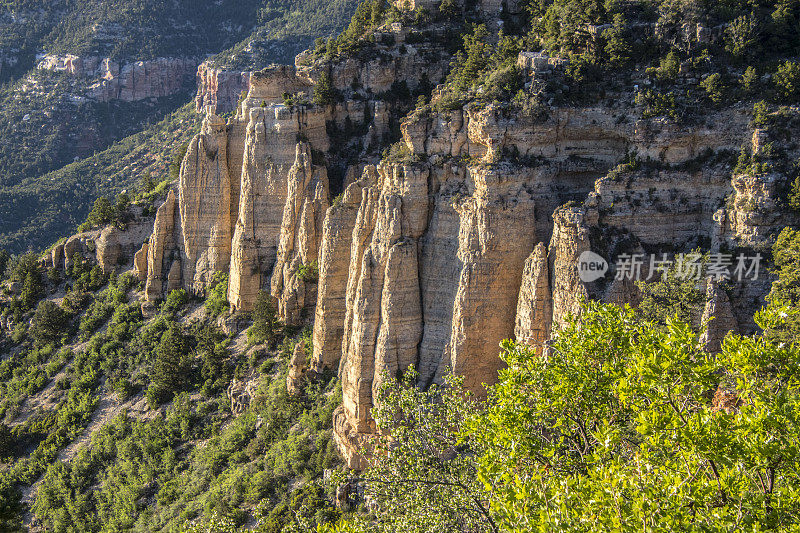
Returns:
(458, 239)
(218, 90)
(128, 82)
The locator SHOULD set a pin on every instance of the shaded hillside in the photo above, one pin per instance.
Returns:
(75, 105)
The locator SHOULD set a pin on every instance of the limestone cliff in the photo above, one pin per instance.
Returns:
(466, 232)
(129, 82)
(218, 90)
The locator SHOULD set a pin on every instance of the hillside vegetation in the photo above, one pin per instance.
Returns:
(125, 412)
(47, 123)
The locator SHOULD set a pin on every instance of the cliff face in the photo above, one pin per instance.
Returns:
(129, 82)
(218, 90)
(432, 257)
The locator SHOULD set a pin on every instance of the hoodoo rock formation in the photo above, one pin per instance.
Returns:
(458, 237)
(218, 90)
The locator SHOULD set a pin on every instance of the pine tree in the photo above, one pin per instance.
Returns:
(49, 322)
(324, 92)
(169, 366)
(265, 320)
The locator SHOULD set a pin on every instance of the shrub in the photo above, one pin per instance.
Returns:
(669, 67)
(308, 271)
(170, 366)
(398, 153)
(760, 114)
(49, 323)
(175, 301)
(715, 90)
(656, 104)
(749, 80)
(787, 80)
(177, 161)
(217, 300)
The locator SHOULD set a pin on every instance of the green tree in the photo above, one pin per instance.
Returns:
(741, 37)
(31, 288)
(217, 300)
(617, 47)
(266, 325)
(49, 323)
(324, 92)
(102, 213)
(715, 89)
(177, 161)
(787, 80)
(669, 67)
(170, 365)
(4, 259)
(618, 428)
(469, 64)
(749, 80)
(786, 288)
(423, 471)
(674, 294)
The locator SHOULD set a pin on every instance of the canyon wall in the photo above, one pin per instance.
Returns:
(129, 82)
(467, 232)
(219, 90)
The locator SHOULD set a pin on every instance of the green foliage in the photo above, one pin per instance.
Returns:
(794, 194)
(399, 152)
(674, 294)
(49, 323)
(760, 114)
(656, 104)
(175, 301)
(749, 80)
(618, 47)
(177, 161)
(49, 204)
(714, 88)
(308, 271)
(468, 65)
(787, 80)
(616, 429)
(4, 258)
(169, 370)
(265, 327)
(741, 37)
(217, 300)
(324, 92)
(423, 471)
(669, 66)
(786, 289)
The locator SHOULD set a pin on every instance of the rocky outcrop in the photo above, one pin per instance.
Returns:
(718, 317)
(218, 90)
(270, 154)
(240, 393)
(204, 206)
(430, 256)
(535, 303)
(110, 247)
(129, 82)
(334, 268)
(160, 248)
(247, 191)
(495, 237)
(140, 262)
(294, 278)
(299, 372)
